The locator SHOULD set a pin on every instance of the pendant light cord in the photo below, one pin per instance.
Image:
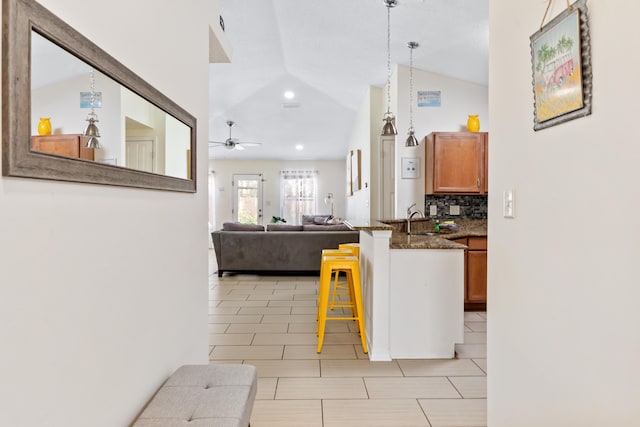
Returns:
(92, 85)
(92, 99)
(389, 127)
(412, 141)
(412, 46)
(411, 85)
(388, 58)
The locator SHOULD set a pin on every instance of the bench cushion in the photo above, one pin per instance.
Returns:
(203, 396)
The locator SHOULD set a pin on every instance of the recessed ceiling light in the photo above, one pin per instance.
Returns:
(299, 147)
(289, 94)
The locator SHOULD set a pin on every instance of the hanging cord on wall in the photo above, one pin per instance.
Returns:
(547, 11)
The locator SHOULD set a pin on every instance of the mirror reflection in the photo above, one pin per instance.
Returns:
(67, 94)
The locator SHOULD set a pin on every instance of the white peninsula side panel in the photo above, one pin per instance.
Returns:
(375, 275)
(413, 298)
(426, 303)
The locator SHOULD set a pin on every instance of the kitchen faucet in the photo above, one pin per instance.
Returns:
(410, 214)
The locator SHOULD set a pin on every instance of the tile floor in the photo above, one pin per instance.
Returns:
(269, 322)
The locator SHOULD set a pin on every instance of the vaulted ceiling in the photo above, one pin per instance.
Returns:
(328, 52)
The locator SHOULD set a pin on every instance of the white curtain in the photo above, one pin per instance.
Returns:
(298, 194)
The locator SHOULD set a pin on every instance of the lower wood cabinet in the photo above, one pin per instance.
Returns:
(475, 272)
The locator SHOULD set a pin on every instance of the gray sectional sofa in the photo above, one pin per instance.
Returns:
(276, 248)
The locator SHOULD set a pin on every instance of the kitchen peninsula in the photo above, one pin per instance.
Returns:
(413, 288)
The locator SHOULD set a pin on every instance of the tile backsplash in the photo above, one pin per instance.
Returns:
(471, 206)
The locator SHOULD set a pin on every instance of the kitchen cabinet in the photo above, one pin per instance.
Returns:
(485, 171)
(456, 163)
(70, 145)
(475, 272)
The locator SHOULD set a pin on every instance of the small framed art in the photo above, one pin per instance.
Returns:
(410, 168)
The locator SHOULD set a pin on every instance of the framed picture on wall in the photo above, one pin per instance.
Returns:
(410, 168)
(349, 179)
(355, 170)
(561, 66)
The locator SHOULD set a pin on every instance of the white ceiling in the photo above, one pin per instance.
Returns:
(329, 52)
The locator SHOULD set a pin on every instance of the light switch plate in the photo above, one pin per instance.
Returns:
(454, 210)
(433, 210)
(508, 204)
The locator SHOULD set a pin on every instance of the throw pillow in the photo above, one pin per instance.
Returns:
(321, 219)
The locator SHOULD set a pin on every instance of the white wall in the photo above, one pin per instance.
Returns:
(563, 330)
(359, 204)
(61, 102)
(103, 290)
(331, 179)
(376, 111)
(459, 99)
(176, 146)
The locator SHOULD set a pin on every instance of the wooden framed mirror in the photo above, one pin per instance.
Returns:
(46, 67)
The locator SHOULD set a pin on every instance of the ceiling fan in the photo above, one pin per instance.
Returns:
(233, 143)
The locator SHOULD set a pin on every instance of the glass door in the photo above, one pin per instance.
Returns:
(247, 198)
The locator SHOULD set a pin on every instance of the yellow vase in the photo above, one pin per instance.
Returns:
(44, 126)
(473, 123)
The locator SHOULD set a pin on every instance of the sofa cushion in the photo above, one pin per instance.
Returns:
(236, 226)
(335, 227)
(283, 227)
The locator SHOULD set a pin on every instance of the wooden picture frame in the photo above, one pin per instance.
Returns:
(24, 20)
(356, 157)
(561, 68)
(349, 180)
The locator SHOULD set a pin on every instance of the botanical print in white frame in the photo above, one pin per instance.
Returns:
(410, 168)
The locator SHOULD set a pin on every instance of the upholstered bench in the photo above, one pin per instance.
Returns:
(203, 396)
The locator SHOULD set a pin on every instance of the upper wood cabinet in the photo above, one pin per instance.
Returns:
(71, 145)
(456, 163)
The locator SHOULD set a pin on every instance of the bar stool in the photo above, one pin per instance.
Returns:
(353, 247)
(350, 265)
(336, 274)
(343, 286)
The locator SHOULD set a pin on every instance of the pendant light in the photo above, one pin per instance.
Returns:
(389, 119)
(91, 131)
(412, 141)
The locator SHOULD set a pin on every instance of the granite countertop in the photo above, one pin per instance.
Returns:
(443, 240)
(364, 225)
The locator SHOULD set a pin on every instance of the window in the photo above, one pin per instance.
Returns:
(247, 198)
(298, 190)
